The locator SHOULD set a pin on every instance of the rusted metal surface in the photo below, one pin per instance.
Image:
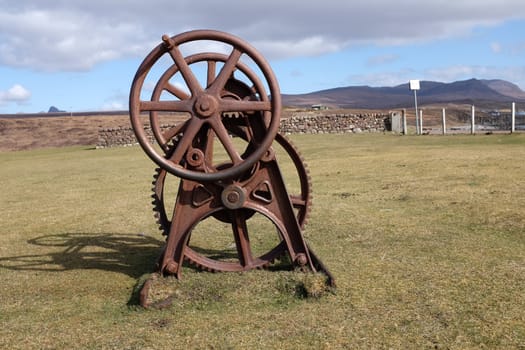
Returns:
(222, 153)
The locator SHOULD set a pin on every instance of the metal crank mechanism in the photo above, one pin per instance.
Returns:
(222, 152)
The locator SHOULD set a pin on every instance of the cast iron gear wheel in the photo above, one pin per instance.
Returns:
(301, 202)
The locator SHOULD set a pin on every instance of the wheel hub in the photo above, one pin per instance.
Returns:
(233, 197)
(206, 105)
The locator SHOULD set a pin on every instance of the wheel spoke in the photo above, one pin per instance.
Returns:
(184, 68)
(212, 66)
(245, 106)
(191, 130)
(177, 92)
(208, 159)
(225, 139)
(242, 240)
(167, 106)
(226, 71)
(297, 201)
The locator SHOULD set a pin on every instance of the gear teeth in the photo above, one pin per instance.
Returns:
(158, 206)
(199, 266)
(234, 115)
(304, 174)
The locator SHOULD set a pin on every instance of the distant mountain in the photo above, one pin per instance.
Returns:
(53, 109)
(505, 88)
(483, 93)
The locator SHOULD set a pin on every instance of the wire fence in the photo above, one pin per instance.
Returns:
(455, 120)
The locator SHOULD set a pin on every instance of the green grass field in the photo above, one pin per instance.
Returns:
(424, 235)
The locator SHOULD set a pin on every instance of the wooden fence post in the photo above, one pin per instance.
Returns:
(443, 120)
(404, 116)
(513, 118)
(473, 120)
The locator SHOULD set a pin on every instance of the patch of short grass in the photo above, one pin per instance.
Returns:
(424, 235)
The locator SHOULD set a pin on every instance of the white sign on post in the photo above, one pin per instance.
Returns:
(414, 84)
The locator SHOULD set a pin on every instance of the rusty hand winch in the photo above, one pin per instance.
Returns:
(221, 151)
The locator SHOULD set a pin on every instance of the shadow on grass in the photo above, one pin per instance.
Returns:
(130, 254)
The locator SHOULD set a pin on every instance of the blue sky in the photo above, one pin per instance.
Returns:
(82, 56)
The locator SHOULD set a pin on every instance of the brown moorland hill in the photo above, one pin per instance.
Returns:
(29, 132)
(22, 132)
(41, 132)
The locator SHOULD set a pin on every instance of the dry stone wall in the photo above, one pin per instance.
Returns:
(334, 123)
(121, 136)
(296, 124)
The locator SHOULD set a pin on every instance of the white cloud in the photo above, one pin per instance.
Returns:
(308, 46)
(383, 78)
(17, 94)
(114, 106)
(61, 39)
(76, 34)
(117, 101)
(495, 47)
(442, 74)
(381, 59)
(460, 72)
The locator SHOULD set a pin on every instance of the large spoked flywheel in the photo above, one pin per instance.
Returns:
(205, 103)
